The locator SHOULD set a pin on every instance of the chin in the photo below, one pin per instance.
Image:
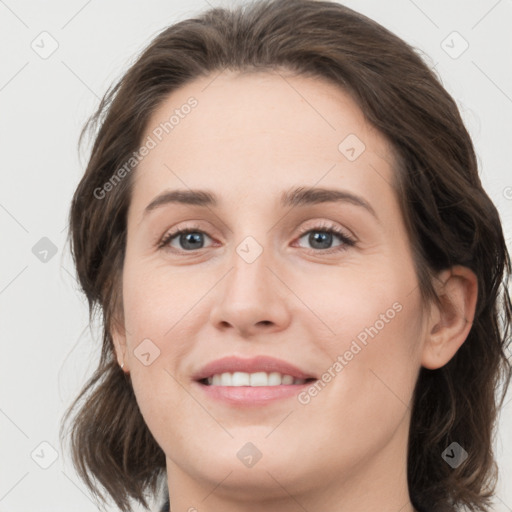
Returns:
(251, 484)
(251, 466)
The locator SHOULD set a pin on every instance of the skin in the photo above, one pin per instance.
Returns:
(251, 137)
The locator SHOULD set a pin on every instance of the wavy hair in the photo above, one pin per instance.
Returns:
(449, 218)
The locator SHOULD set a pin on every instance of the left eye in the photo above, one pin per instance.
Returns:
(320, 238)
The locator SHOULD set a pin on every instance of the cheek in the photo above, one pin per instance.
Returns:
(358, 303)
(378, 351)
(155, 315)
(157, 300)
(369, 376)
(158, 334)
(371, 336)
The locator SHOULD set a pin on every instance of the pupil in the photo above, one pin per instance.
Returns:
(190, 238)
(319, 237)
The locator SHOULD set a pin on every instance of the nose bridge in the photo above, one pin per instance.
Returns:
(252, 250)
(249, 297)
(249, 274)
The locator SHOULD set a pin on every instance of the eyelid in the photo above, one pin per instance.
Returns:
(320, 224)
(344, 234)
(162, 242)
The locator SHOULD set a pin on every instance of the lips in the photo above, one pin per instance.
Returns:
(257, 364)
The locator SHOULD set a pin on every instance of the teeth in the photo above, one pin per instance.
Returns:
(261, 379)
(274, 379)
(287, 379)
(226, 379)
(236, 379)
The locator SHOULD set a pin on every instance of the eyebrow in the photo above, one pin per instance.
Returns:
(295, 197)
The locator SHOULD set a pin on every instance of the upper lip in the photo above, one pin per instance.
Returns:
(252, 365)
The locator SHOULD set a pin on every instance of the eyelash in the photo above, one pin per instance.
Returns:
(323, 228)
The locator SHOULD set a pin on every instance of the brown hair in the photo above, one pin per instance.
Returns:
(450, 220)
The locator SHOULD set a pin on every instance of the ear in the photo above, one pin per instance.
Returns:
(450, 323)
(118, 334)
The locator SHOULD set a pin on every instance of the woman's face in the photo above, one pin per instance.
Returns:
(263, 274)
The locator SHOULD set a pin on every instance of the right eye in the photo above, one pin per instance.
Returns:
(189, 240)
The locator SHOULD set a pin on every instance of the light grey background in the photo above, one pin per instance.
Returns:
(47, 349)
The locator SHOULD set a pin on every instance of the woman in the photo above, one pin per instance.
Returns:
(299, 274)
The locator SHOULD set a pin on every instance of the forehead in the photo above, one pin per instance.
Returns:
(246, 134)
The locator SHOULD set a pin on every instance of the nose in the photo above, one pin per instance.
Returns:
(251, 299)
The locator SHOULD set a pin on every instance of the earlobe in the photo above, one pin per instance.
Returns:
(451, 320)
(119, 341)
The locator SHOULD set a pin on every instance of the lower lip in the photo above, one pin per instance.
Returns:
(247, 395)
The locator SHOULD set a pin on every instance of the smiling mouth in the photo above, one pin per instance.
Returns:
(256, 379)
